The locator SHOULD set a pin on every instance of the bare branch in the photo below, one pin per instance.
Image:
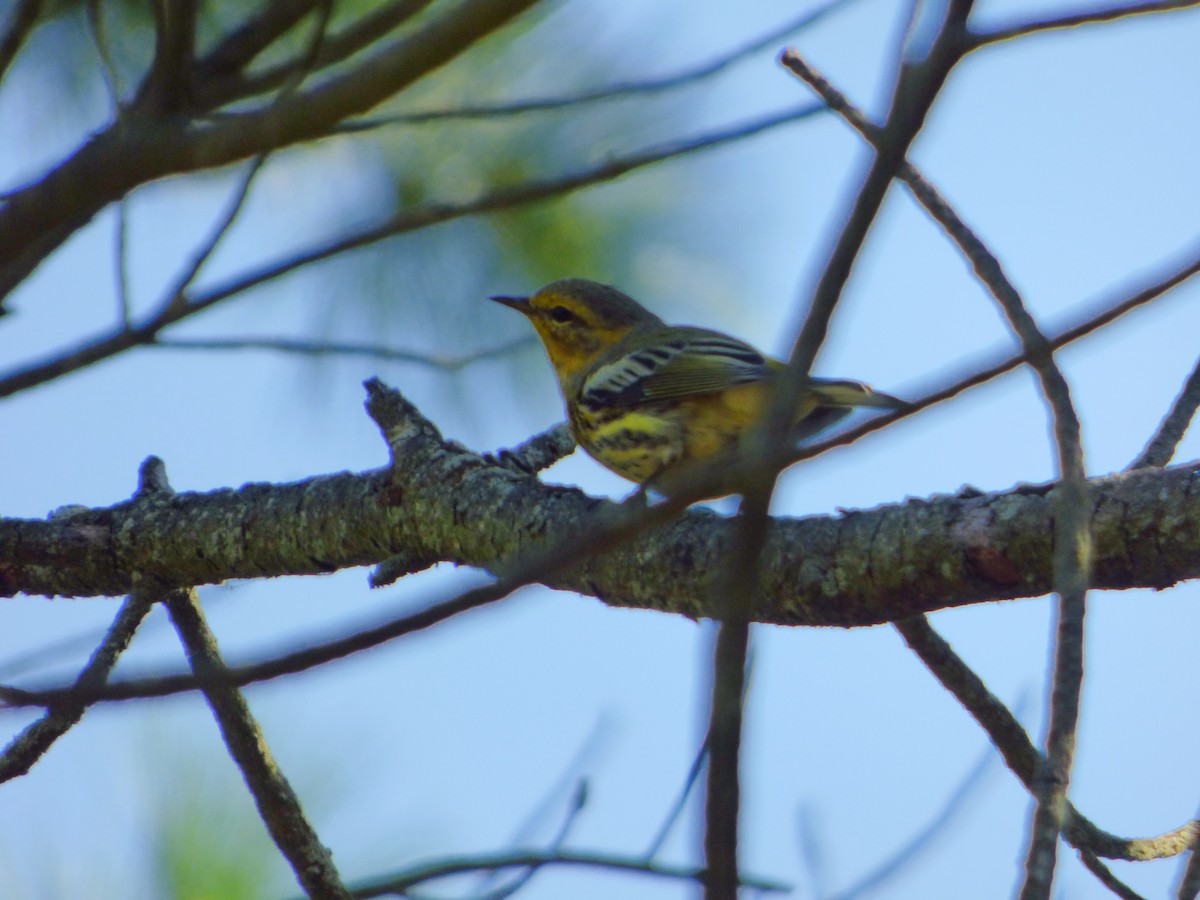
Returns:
(20, 25)
(28, 747)
(339, 348)
(539, 452)
(722, 803)
(733, 601)
(509, 197)
(1021, 756)
(1088, 17)
(239, 47)
(121, 264)
(332, 522)
(735, 593)
(698, 540)
(612, 92)
(95, 20)
(916, 845)
(578, 802)
(916, 89)
(306, 63)
(117, 341)
(399, 883)
(277, 803)
(37, 219)
(414, 443)
(313, 655)
(1189, 881)
(168, 85)
(676, 810)
(1161, 448)
(173, 300)
(984, 371)
(1106, 877)
(368, 30)
(1072, 562)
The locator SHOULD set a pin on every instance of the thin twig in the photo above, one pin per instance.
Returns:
(241, 45)
(96, 349)
(1160, 449)
(915, 846)
(916, 88)
(1089, 17)
(578, 802)
(277, 803)
(20, 25)
(1189, 879)
(1021, 756)
(29, 746)
(1105, 876)
(401, 882)
(368, 30)
(722, 799)
(309, 54)
(108, 70)
(572, 779)
(121, 258)
(1072, 524)
(510, 197)
(677, 808)
(735, 589)
(1158, 453)
(95, 20)
(340, 348)
(611, 92)
(173, 298)
(1072, 562)
(314, 654)
(985, 370)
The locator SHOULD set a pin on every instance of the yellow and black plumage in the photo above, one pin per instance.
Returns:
(645, 398)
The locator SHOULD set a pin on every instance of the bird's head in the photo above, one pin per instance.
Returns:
(578, 320)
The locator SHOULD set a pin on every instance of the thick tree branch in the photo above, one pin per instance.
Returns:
(446, 503)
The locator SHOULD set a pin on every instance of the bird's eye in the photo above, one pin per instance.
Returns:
(562, 315)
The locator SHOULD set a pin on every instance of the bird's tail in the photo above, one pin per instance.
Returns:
(831, 392)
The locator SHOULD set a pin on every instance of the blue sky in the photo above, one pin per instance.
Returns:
(1072, 154)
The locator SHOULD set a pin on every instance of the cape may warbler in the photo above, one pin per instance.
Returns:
(646, 399)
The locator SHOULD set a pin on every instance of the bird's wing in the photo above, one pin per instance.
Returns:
(678, 362)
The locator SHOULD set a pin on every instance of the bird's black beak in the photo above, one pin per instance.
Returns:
(520, 304)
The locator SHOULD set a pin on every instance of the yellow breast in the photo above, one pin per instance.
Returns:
(641, 443)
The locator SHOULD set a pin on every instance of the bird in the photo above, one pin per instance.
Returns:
(648, 400)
